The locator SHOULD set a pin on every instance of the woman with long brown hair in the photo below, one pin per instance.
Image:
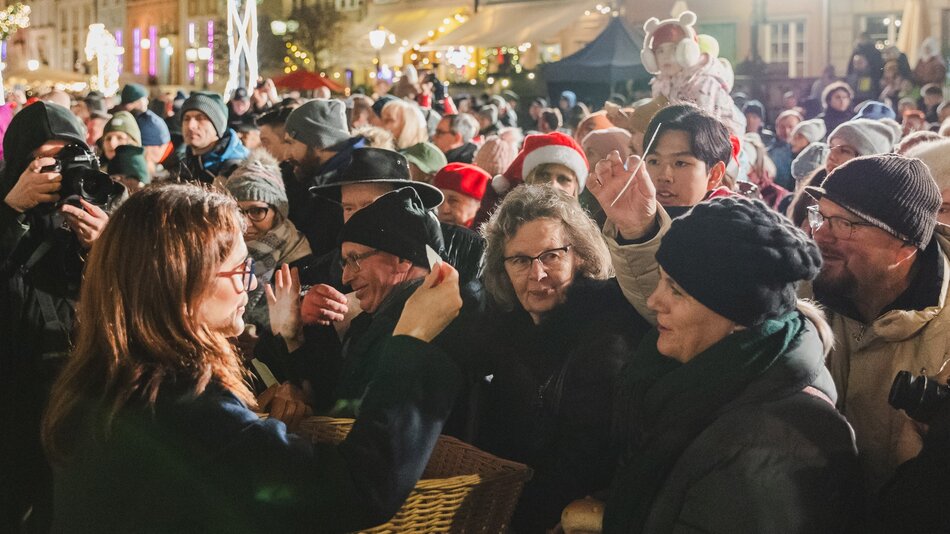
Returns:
(150, 427)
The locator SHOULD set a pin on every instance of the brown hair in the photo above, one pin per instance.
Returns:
(145, 278)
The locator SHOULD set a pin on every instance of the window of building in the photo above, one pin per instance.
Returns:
(881, 27)
(783, 42)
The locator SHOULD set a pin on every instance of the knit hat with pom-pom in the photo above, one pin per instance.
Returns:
(739, 258)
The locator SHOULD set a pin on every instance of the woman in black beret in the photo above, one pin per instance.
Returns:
(726, 411)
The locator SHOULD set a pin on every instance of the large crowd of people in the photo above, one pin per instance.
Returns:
(680, 312)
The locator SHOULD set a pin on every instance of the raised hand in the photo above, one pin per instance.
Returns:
(634, 212)
(283, 306)
(433, 306)
(285, 402)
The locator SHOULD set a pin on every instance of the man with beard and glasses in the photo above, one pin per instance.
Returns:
(319, 145)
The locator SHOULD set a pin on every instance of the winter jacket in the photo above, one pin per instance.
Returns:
(227, 154)
(866, 357)
(548, 399)
(707, 85)
(207, 463)
(778, 459)
(462, 154)
(834, 118)
(781, 154)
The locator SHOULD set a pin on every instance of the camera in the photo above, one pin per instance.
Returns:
(921, 397)
(82, 177)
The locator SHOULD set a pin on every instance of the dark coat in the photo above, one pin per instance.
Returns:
(778, 459)
(209, 464)
(549, 399)
(226, 155)
(462, 154)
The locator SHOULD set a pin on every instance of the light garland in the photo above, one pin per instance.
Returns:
(101, 45)
(13, 18)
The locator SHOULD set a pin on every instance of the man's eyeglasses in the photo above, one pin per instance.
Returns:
(256, 213)
(845, 151)
(353, 261)
(248, 279)
(551, 259)
(840, 227)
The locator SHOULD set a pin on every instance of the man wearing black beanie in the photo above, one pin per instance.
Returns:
(885, 279)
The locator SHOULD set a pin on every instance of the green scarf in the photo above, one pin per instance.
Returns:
(665, 405)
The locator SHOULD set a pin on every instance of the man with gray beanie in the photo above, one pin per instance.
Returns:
(212, 149)
(884, 280)
(320, 147)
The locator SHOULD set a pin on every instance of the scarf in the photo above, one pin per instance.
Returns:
(666, 404)
(283, 244)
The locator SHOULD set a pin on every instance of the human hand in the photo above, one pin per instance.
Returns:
(432, 306)
(323, 305)
(286, 402)
(34, 187)
(634, 213)
(910, 438)
(283, 306)
(87, 221)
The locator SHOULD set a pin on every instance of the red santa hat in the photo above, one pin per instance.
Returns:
(540, 149)
(463, 178)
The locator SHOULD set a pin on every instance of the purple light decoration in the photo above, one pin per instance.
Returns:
(191, 71)
(3, 51)
(153, 50)
(136, 51)
(118, 42)
(211, 57)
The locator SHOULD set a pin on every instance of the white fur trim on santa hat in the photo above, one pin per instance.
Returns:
(500, 184)
(560, 154)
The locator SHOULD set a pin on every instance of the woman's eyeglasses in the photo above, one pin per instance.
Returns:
(551, 259)
(256, 213)
(248, 278)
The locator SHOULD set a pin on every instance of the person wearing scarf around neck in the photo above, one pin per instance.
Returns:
(726, 414)
(272, 239)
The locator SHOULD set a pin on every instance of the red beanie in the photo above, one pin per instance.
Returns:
(540, 149)
(463, 178)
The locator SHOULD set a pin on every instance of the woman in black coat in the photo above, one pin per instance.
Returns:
(150, 427)
(561, 334)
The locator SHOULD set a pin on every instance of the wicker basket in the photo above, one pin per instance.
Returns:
(463, 489)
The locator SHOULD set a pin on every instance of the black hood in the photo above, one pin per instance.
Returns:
(30, 128)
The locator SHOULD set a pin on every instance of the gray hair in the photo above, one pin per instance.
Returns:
(528, 203)
(464, 125)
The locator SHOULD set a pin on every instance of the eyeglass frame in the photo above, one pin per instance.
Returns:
(354, 261)
(813, 211)
(247, 274)
(246, 212)
(521, 270)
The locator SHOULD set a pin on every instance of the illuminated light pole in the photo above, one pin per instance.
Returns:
(377, 39)
(242, 43)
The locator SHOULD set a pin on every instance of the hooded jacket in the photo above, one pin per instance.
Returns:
(33, 340)
(706, 85)
(227, 154)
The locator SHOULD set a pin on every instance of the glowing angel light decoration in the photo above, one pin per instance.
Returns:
(242, 41)
(101, 45)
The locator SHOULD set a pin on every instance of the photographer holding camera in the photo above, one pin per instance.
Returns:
(53, 209)
(915, 499)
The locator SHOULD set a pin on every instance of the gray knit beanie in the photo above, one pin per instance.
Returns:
(212, 106)
(813, 130)
(810, 158)
(258, 178)
(319, 123)
(866, 136)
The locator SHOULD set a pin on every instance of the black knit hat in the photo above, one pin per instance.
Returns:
(381, 103)
(129, 161)
(396, 223)
(739, 258)
(895, 193)
(381, 166)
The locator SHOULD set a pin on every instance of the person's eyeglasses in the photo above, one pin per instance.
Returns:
(550, 260)
(256, 213)
(247, 275)
(353, 261)
(840, 227)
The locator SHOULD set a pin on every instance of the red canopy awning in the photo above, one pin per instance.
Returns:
(305, 80)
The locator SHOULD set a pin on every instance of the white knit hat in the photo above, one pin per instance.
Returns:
(936, 154)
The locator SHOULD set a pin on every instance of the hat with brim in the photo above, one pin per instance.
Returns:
(381, 166)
